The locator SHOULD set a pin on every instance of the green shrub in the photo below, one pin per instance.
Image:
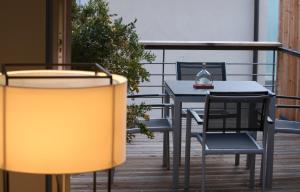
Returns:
(100, 37)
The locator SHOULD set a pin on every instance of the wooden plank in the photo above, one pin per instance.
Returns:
(143, 171)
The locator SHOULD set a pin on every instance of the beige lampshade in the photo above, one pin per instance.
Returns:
(62, 126)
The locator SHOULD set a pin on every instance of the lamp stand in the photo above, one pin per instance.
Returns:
(48, 183)
(60, 188)
(94, 181)
(5, 181)
(109, 180)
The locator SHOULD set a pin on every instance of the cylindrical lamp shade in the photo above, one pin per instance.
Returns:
(63, 126)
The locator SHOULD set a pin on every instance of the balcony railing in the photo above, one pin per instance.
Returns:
(165, 46)
(163, 69)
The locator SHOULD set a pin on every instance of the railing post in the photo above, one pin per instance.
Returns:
(273, 72)
(163, 79)
(255, 38)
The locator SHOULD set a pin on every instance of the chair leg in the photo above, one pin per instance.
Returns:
(261, 170)
(263, 163)
(237, 160)
(187, 169)
(252, 170)
(247, 161)
(264, 171)
(203, 166)
(166, 150)
(164, 163)
(187, 153)
(254, 135)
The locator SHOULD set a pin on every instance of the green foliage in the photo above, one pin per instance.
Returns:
(98, 37)
(135, 112)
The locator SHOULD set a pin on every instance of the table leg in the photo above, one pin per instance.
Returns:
(176, 143)
(270, 145)
(180, 131)
(166, 109)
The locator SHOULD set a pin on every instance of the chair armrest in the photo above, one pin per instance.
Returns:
(146, 96)
(270, 120)
(161, 105)
(195, 116)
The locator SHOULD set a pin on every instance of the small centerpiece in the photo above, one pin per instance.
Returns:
(203, 79)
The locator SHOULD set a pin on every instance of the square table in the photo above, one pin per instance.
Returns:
(183, 91)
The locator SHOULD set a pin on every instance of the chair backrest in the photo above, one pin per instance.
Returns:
(235, 112)
(188, 70)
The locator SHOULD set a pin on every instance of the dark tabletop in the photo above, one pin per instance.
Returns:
(185, 88)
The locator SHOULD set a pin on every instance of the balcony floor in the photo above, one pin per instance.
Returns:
(143, 171)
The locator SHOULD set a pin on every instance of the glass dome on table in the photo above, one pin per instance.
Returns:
(203, 79)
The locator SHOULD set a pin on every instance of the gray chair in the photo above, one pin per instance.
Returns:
(162, 125)
(188, 70)
(244, 116)
(284, 125)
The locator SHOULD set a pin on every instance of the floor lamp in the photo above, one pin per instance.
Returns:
(61, 121)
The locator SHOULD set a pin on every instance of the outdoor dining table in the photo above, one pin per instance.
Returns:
(182, 91)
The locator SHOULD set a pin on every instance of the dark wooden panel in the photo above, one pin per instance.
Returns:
(288, 69)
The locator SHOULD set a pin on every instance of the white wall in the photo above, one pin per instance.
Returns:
(188, 19)
(192, 20)
(207, 20)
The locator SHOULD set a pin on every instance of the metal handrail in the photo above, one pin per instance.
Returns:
(219, 45)
(289, 51)
(211, 45)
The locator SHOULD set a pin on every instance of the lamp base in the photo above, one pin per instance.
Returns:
(203, 86)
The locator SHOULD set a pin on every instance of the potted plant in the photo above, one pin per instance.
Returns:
(104, 38)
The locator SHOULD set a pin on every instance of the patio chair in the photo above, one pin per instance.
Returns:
(188, 70)
(243, 114)
(285, 125)
(162, 125)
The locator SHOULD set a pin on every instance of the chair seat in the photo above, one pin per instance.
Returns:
(154, 125)
(226, 143)
(285, 126)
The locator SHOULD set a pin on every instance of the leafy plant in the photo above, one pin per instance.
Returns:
(100, 37)
(134, 112)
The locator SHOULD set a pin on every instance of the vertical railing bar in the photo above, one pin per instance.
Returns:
(163, 79)
(273, 71)
(255, 38)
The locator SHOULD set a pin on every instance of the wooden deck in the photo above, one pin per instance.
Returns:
(143, 171)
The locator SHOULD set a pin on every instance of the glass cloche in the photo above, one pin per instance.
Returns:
(203, 79)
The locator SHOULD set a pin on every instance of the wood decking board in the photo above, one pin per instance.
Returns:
(143, 171)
